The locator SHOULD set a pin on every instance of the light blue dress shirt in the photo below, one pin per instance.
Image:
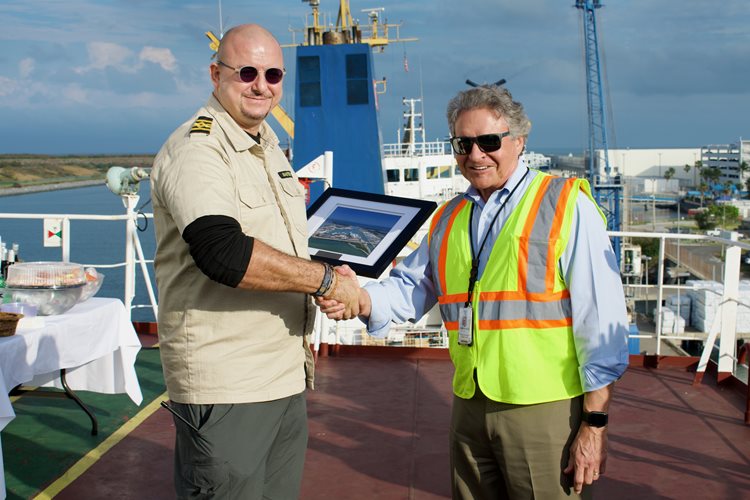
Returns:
(588, 264)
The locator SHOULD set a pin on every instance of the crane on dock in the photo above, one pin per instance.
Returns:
(607, 186)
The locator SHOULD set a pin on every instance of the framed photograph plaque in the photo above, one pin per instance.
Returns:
(364, 230)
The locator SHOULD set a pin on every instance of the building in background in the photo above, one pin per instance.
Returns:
(654, 163)
(728, 158)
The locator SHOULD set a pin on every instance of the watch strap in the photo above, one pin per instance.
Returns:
(596, 418)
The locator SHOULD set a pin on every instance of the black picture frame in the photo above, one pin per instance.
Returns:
(366, 231)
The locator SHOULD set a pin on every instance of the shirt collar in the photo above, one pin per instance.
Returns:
(473, 195)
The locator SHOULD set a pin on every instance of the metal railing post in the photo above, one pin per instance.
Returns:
(660, 294)
(66, 240)
(727, 345)
(130, 201)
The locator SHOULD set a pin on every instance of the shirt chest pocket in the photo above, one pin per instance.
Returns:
(295, 198)
(252, 196)
(257, 211)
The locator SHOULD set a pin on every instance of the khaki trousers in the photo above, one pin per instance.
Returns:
(505, 451)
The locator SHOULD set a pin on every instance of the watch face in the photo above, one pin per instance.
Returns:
(596, 418)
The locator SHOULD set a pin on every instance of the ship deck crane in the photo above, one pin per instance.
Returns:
(607, 187)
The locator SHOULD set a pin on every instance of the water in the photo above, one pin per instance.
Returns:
(92, 242)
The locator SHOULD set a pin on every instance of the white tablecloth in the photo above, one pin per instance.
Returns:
(94, 341)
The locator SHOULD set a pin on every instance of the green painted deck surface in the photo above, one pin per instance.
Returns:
(49, 435)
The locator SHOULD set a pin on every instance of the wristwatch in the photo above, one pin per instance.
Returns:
(596, 418)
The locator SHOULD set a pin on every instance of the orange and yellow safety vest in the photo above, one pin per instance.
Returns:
(523, 350)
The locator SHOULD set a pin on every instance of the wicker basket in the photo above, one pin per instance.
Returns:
(8, 323)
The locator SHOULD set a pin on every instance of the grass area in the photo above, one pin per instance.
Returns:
(31, 170)
(49, 435)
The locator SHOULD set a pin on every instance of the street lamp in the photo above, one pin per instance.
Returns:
(695, 169)
(659, 164)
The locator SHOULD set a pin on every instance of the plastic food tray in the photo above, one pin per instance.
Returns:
(47, 275)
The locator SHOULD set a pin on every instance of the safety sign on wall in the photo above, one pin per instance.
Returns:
(53, 232)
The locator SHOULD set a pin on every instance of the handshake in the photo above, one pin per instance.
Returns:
(347, 299)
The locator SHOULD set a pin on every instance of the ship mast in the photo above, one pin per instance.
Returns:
(378, 33)
(411, 129)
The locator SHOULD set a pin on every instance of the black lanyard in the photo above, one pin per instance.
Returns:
(475, 257)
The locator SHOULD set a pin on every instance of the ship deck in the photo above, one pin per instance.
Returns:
(378, 423)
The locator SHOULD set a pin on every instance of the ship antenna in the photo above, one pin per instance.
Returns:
(498, 83)
(221, 23)
(421, 97)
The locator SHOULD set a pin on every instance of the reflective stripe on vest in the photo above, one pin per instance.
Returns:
(522, 309)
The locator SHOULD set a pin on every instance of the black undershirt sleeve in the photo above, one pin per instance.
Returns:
(219, 248)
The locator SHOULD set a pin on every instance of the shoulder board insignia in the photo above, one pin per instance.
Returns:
(202, 125)
(286, 174)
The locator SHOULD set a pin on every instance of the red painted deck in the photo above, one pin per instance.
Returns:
(378, 430)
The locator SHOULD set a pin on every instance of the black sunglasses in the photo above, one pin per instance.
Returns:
(486, 143)
(250, 73)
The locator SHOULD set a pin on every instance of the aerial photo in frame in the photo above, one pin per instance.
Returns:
(353, 231)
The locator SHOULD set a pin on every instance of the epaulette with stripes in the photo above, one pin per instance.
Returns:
(202, 125)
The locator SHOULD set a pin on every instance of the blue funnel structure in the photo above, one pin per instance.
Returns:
(335, 110)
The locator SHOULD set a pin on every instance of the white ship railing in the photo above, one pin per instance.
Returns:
(133, 249)
(724, 323)
(723, 326)
(725, 271)
(401, 150)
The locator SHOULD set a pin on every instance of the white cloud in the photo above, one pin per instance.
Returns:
(162, 57)
(106, 54)
(103, 55)
(26, 67)
(74, 93)
(7, 86)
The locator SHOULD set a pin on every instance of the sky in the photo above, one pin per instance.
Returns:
(117, 76)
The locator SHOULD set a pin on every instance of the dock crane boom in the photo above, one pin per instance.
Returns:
(607, 187)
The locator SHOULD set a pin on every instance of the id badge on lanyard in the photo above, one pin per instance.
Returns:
(465, 325)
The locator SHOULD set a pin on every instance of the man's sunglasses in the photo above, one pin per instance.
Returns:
(486, 143)
(250, 73)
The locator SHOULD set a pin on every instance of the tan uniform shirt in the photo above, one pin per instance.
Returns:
(221, 344)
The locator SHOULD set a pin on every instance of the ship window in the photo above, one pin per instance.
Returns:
(393, 175)
(356, 79)
(309, 81)
(456, 170)
(411, 174)
(443, 172)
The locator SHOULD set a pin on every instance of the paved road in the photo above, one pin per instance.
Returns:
(49, 187)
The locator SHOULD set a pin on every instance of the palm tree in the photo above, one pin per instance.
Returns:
(744, 167)
(703, 187)
(697, 167)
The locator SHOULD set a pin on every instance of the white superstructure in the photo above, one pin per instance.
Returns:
(413, 168)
